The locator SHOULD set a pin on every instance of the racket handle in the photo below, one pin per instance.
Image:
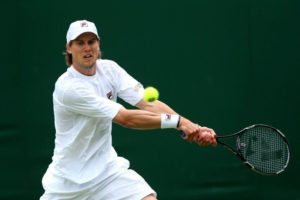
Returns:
(182, 134)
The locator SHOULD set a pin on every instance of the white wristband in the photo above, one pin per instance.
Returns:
(169, 121)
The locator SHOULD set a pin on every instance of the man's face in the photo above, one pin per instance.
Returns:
(85, 51)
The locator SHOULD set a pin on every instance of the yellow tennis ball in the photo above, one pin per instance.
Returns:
(151, 94)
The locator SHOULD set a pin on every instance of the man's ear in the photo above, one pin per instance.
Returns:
(68, 49)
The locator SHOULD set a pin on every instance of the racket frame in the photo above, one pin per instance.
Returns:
(237, 149)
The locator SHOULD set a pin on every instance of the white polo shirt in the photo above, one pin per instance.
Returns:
(84, 107)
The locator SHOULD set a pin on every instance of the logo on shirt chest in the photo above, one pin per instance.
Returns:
(109, 95)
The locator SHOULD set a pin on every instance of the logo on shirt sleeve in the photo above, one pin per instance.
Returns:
(137, 87)
(109, 95)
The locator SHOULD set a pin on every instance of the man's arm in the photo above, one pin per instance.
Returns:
(143, 119)
(155, 106)
(203, 135)
(160, 107)
(149, 117)
(137, 119)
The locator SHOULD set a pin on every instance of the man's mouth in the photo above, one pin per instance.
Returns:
(88, 56)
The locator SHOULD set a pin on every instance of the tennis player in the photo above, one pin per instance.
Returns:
(85, 164)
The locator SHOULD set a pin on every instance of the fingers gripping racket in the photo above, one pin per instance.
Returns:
(261, 147)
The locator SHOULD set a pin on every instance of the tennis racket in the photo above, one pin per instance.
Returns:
(261, 147)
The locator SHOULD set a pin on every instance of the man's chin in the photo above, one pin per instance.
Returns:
(89, 65)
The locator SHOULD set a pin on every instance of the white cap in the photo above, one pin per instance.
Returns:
(79, 27)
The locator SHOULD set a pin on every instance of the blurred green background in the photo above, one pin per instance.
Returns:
(223, 64)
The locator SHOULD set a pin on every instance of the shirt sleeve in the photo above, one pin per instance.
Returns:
(130, 90)
(81, 99)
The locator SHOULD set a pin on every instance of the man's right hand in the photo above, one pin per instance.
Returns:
(195, 133)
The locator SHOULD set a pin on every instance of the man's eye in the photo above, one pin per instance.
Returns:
(91, 42)
(80, 43)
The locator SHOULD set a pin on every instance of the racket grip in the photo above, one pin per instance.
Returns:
(182, 134)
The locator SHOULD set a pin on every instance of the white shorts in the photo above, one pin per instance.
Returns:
(126, 185)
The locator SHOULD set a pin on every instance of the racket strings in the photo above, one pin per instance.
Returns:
(264, 149)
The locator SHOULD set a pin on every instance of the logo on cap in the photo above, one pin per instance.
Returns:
(84, 24)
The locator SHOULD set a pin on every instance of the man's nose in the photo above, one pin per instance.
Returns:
(86, 46)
